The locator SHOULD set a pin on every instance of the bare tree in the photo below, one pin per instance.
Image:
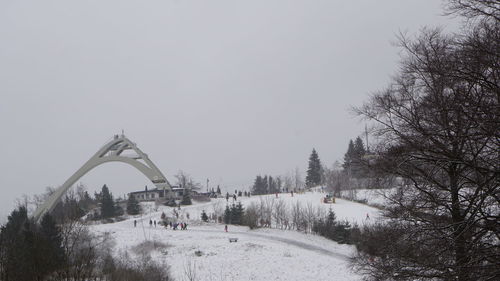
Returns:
(288, 182)
(251, 217)
(217, 208)
(297, 214)
(474, 8)
(186, 181)
(437, 126)
(298, 183)
(266, 207)
(280, 213)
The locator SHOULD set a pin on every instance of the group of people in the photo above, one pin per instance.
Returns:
(174, 226)
(182, 225)
(151, 223)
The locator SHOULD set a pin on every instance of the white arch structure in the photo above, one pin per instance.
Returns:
(110, 152)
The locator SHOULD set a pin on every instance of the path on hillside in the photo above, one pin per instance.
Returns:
(288, 241)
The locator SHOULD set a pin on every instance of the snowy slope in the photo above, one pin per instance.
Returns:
(263, 254)
(375, 197)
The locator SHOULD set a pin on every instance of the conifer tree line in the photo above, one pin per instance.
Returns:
(234, 214)
(354, 159)
(29, 251)
(65, 251)
(340, 231)
(266, 185)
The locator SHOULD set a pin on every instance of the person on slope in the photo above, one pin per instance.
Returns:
(150, 223)
(225, 228)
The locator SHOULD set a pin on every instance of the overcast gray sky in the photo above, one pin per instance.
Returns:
(221, 89)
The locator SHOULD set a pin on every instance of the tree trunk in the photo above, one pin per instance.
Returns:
(458, 235)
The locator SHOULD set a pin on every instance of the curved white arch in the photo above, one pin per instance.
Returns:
(110, 152)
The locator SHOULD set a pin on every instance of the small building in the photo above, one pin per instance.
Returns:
(149, 195)
(159, 194)
(178, 192)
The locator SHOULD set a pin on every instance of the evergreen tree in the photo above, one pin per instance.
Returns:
(279, 184)
(13, 248)
(186, 197)
(359, 148)
(86, 202)
(107, 203)
(331, 217)
(273, 186)
(260, 185)
(359, 169)
(218, 190)
(29, 251)
(237, 213)
(98, 196)
(353, 159)
(133, 207)
(349, 156)
(240, 213)
(204, 216)
(50, 244)
(227, 215)
(313, 177)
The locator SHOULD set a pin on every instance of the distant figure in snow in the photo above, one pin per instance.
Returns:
(170, 223)
(367, 216)
(155, 223)
(291, 192)
(150, 223)
(276, 194)
(225, 228)
(135, 223)
(234, 197)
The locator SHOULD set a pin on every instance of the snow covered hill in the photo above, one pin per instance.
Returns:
(263, 254)
(373, 197)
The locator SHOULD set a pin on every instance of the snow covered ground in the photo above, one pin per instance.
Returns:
(262, 254)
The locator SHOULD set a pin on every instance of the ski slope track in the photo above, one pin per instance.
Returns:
(260, 254)
(288, 241)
